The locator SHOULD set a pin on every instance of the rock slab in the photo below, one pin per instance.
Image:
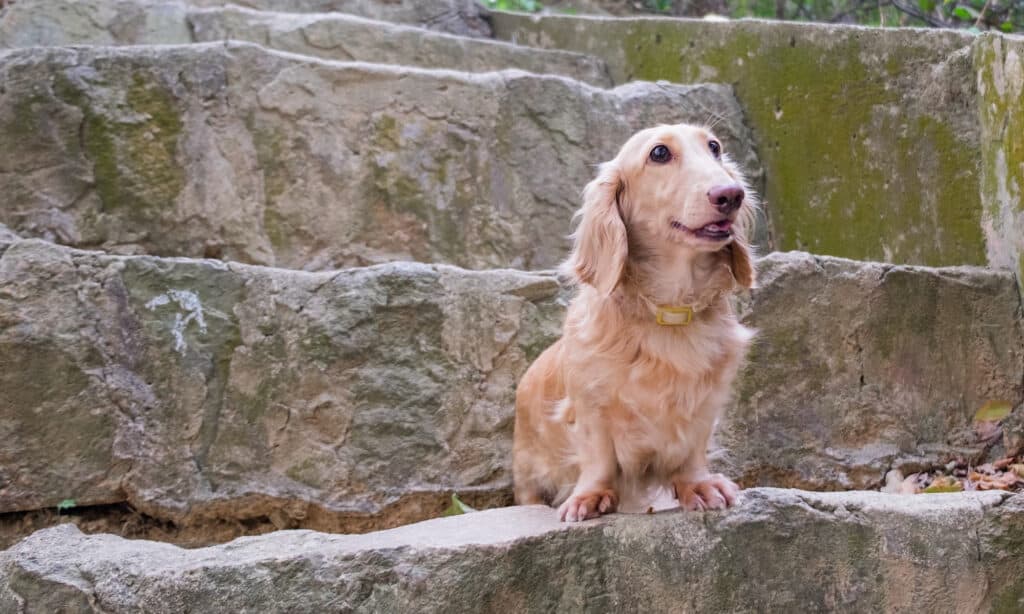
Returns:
(871, 139)
(780, 550)
(233, 151)
(332, 36)
(200, 393)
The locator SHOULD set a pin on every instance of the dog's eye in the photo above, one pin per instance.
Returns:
(715, 147)
(661, 154)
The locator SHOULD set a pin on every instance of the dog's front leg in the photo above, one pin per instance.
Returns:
(594, 493)
(697, 489)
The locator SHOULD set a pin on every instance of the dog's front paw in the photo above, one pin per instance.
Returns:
(587, 505)
(715, 492)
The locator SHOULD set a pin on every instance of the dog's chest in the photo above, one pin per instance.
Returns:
(666, 403)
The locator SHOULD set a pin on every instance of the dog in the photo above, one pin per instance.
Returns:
(627, 399)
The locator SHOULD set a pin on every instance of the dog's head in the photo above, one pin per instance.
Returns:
(671, 189)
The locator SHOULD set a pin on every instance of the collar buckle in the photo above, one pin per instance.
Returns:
(674, 316)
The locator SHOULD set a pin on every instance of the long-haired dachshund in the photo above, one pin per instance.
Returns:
(626, 401)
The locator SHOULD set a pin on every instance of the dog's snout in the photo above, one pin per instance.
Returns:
(726, 198)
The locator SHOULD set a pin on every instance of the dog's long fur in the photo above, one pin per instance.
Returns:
(621, 404)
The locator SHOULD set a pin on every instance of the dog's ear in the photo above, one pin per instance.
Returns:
(741, 262)
(600, 246)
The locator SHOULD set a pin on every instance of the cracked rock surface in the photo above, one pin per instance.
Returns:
(332, 36)
(780, 550)
(200, 392)
(233, 151)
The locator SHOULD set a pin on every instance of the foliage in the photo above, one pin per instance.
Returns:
(457, 507)
(65, 505)
(974, 15)
(525, 6)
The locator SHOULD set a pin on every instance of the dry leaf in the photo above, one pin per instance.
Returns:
(1003, 463)
(994, 482)
(1017, 469)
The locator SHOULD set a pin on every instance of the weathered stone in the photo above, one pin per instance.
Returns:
(234, 151)
(464, 17)
(205, 393)
(332, 36)
(779, 551)
(862, 367)
(198, 391)
(28, 23)
(6, 237)
(342, 37)
(1000, 64)
(870, 138)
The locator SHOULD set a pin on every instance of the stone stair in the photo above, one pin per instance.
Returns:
(318, 271)
(781, 551)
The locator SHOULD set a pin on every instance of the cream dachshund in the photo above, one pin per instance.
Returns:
(626, 401)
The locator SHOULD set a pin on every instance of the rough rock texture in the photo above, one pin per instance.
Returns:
(464, 17)
(870, 138)
(28, 23)
(205, 393)
(199, 391)
(6, 237)
(1000, 64)
(334, 36)
(234, 151)
(342, 37)
(779, 551)
(860, 367)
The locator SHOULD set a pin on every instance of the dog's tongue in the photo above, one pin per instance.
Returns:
(722, 226)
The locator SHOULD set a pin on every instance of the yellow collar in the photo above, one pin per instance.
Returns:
(679, 315)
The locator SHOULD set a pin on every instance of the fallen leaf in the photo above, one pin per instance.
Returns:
(993, 411)
(1017, 469)
(994, 482)
(1003, 463)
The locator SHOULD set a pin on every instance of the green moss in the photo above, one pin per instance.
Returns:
(269, 153)
(307, 472)
(1001, 112)
(134, 156)
(855, 164)
(403, 191)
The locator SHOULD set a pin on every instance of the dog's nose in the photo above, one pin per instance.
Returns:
(726, 198)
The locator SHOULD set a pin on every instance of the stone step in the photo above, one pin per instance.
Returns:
(332, 36)
(237, 152)
(229, 399)
(888, 144)
(164, 17)
(779, 551)
(463, 17)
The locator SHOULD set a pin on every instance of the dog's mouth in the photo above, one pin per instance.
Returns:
(715, 231)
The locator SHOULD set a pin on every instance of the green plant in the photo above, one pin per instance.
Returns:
(457, 507)
(525, 6)
(972, 15)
